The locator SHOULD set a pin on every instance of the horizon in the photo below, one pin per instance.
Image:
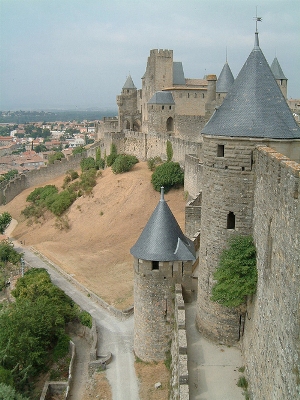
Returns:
(76, 55)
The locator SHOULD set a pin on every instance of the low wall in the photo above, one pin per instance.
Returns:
(180, 376)
(53, 388)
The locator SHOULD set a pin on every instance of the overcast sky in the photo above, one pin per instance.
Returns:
(77, 53)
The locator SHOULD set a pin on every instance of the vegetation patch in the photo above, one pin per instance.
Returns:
(123, 163)
(237, 274)
(169, 175)
(5, 219)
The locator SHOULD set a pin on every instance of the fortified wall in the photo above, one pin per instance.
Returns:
(271, 343)
(145, 146)
(9, 190)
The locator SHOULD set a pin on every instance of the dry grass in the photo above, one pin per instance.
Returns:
(98, 387)
(103, 228)
(149, 374)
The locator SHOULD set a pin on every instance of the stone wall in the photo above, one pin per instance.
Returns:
(179, 380)
(37, 177)
(188, 127)
(271, 344)
(193, 216)
(192, 175)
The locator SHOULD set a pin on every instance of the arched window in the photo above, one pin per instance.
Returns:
(170, 124)
(230, 220)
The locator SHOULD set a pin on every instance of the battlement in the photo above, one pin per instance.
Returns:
(161, 53)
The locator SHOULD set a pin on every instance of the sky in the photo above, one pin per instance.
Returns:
(77, 54)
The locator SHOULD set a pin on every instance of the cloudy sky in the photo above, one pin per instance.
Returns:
(77, 53)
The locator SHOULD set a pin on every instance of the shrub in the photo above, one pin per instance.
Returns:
(5, 219)
(61, 202)
(153, 162)
(86, 319)
(56, 156)
(87, 163)
(167, 175)
(62, 347)
(9, 393)
(6, 376)
(124, 163)
(237, 274)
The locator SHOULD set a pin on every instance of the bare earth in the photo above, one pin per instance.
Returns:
(103, 228)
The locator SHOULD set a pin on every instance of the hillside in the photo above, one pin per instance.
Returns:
(103, 228)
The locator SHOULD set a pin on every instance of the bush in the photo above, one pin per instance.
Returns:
(9, 393)
(5, 219)
(62, 347)
(169, 175)
(237, 274)
(56, 156)
(61, 202)
(87, 163)
(124, 163)
(86, 319)
(153, 162)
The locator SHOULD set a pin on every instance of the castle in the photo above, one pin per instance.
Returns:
(240, 148)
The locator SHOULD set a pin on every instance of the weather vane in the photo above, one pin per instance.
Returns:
(257, 19)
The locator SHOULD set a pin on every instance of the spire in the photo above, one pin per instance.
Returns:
(162, 239)
(256, 40)
(129, 83)
(254, 106)
(225, 80)
(277, 70)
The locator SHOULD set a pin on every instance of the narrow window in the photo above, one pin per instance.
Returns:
(155, 264)
(188, 95)
(230, 220)
(170, 107)
(202, 95)
(162, 107)
(220, 151)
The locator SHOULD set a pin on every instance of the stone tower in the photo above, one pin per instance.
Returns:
(279, 76)
(159, 256)
(161, 112)
(158, 76)
(129, 116)
(253, 112)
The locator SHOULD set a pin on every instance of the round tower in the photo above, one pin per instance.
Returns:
(254, 112)
(127, 103)
(159, 256)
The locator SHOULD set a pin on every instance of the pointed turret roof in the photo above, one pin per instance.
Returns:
(225, 80)
(178, 74)
(162, 238)
(277, 70)
(129, 83)
(254, 106)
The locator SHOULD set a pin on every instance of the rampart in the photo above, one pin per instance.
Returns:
(9, 190)
(179, 380)
(271, 343)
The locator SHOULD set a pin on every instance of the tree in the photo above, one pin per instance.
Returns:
(237, 274)
(56, 156)
(87, 163)
(5, 219)
(169, 151)
(9, 393)
(113, 155)
(169, 175)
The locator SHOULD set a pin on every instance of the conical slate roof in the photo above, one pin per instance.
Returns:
(161, 97)
(162, 238)
(276, 69)
(225, 80)
(254, 106)
(129, 83)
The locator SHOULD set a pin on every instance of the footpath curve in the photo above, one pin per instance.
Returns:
(113, 335)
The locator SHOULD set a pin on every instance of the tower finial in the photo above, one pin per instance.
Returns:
(226, 53)
(257, 19)
(162, 191)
